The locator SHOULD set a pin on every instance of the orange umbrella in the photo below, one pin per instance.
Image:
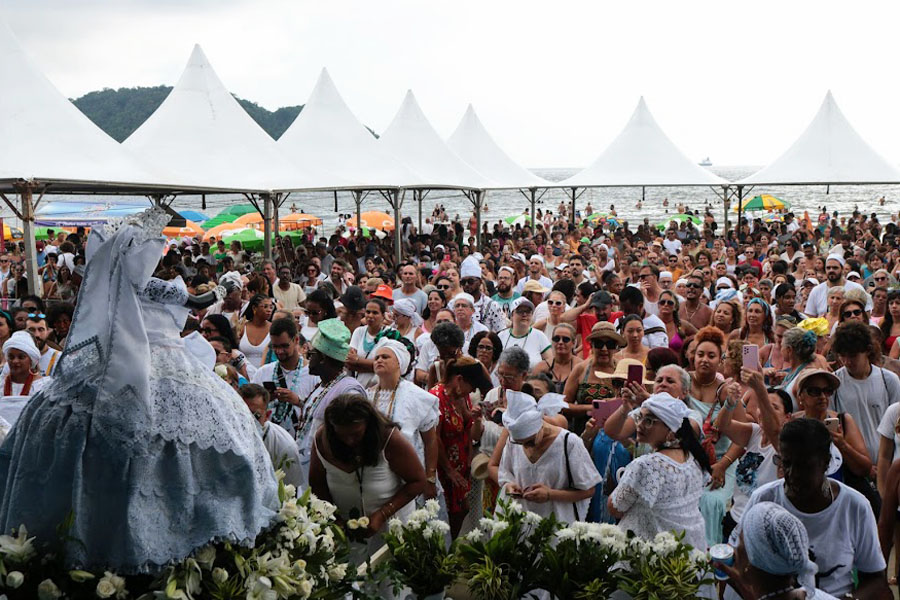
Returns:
(253, 218)
(298, 221)
(374, 219)
(190, 229)
(220, 230)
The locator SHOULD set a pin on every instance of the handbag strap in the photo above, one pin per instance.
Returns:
(569, 472)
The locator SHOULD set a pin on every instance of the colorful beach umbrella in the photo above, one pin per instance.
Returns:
(249, 238)
(765, 202)
(374, 220)
(190, 229)
(218, 220)
(194, 215)
(220, 231)
(680, 218)
(238, 210)
(298, 221)
(514, 220)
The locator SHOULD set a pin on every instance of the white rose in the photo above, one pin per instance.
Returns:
(289, 509)
(47, 590)
(15, 579)
(363, 522)
(337, 572)
(353, 524)
(105, 588)
(290, 490)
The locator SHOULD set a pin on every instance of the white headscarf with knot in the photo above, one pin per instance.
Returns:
(668, 409)
(399, 351)
(776, 542)
(22, 340)
(234, 277)
(407, 308)
(524, 416)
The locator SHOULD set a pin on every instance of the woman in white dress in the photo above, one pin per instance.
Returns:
(363, 340)
(364, 466)
(543, 465)
(661, 491)
(254, 330)
(22, 357)
(413, 409)
(149, 451)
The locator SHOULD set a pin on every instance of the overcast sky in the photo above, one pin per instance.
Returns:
(554, 82)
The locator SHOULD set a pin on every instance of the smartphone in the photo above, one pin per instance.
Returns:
(269, 385)
(832, 423)
(601, 411)
(635, 374)
(750, 354)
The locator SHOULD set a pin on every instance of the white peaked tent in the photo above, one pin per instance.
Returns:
(411, 138)
(830, 151)
(472, 142)
(202, 134)
(642, 155)
(49, 146)
(327, 135)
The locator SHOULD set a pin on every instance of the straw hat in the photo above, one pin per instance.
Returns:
(480, 466)
(621, 371)
(605, 330)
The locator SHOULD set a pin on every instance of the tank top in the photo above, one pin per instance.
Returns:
(587, 393)
(254, 354)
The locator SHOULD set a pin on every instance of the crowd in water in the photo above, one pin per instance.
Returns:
(665, 378)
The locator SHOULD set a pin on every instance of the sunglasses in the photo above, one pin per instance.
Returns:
(443, 287)
(880, 278)
(666, 303)
(856, 312)
(819, 391)
(37, 316)
(695, 286)
(561, 338)
(555, 302)
(469, 280)
(608, 344)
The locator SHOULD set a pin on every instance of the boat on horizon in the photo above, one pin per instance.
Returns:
(705, 162)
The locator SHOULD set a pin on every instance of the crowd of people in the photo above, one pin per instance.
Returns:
(671, 379)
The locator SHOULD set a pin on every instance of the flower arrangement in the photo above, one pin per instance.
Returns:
(580, 559)
(302, 556)
(498, 557)
(665, 567)
(420, 554)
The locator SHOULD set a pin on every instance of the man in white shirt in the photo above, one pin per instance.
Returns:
(535, 268)
(817, 303)
(463, 307)
(279, 444)
(866, 390)
(672, 244)
(36, 325)
(288, 293)
(487, 312)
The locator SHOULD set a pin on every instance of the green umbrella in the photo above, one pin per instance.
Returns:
(238, 210)
(682, 218)
(218, 220)
(250, 239)
(765, 202)
(40, 233)
(518, 220)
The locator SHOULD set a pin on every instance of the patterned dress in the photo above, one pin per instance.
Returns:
(453, 431)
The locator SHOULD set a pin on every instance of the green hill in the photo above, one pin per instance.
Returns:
(119, 112)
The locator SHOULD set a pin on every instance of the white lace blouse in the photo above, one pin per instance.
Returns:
(658, 494)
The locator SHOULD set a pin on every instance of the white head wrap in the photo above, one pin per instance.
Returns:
(724, 281)
(22, 340)
(234, 277)
(464, 297)
(537, 257)
(522, 417)
(776, 542)
(407, 308)
(399, 351)
(508, 269)
(470, 267)
(551, 404)
(836, 257)
(668, 409)
(665, 275)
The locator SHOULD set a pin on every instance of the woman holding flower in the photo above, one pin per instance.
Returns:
(363, 465)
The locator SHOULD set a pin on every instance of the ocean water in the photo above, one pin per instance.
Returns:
(505, 203)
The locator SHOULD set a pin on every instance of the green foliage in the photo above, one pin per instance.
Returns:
(119, 112)
(420, 557)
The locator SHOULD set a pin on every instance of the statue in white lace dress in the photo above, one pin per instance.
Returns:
(152, 453)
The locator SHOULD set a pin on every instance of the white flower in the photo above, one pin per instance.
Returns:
(290, 510)
(395, 526)
(337, 572)
(498, 526)
(47, 590)
(14, 579)
(474, 536)
(532, 518)
(567, 533)
(220, 575)
(206, 556)
(290, 490)
(305, 588)
(664, 543)
(363, 522)
(326, 509)
(699, 557)
(262, 590)
(105, 589)
(18, 548)
(432, 506)
(515, 507)
(352, 524)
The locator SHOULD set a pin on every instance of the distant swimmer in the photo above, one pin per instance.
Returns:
(666, 202)
(881, 201)
(612, 210)
(638, 205)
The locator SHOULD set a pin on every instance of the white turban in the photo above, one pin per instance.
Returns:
(22, 340)
(407, 308)
(836, 257)
(665, 275)
(234, 277)
(470, 267)
(506, 268)
(537, 257)
(668, 409)
(724, 281)
(464, 297)
(522, 418)
(550, 404)
(776, 542)
(399, 351)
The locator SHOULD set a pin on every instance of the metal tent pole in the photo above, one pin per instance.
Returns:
(417, 195)
(725, 203)
(573, 205)
(357, 199)
(740, 230)
(533, 192)
(398, 242)
(479, 201)
(267, 226)
(31, 271)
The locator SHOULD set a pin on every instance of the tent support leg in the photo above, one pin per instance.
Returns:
(27, 202)
(335, 203)
(417, 196)
(203, 201)
(573, 205)
(725, 211)
(740, 229)
(267, 226)
(357, 199)
(479, 202)
(533, 214)
(398, 241)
